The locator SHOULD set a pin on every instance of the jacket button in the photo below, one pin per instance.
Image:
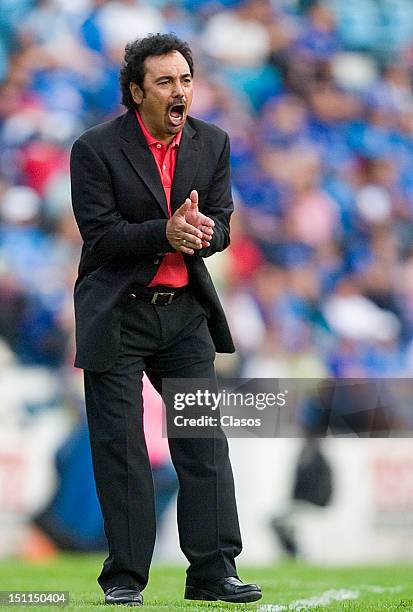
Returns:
(132, 297)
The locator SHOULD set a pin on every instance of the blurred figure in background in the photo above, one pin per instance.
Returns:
(72, 518)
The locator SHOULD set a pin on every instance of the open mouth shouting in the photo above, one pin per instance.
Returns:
(177, 113)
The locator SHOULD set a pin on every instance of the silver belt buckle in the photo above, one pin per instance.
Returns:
(161, 293)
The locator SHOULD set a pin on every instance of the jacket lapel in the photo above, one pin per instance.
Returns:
(186, 167)
(140, 156)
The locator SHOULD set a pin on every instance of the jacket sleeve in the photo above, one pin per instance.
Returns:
(105, 233)
(218, 204)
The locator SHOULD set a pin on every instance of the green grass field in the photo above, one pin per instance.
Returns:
(284, 585)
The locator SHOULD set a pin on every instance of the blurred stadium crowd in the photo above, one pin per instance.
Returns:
(317, 98)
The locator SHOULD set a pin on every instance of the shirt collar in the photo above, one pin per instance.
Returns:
(151, 140)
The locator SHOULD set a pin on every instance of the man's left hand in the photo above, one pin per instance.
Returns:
(199, 220)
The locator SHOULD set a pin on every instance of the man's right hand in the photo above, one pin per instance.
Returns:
(183, 236)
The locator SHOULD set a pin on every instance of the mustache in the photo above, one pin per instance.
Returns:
(178, 102)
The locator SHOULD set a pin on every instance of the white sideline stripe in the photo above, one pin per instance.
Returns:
(327, 597)
(318, 600)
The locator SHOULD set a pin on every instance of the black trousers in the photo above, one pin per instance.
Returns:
(164, 341)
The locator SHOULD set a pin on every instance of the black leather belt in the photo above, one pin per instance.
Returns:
(159, 296)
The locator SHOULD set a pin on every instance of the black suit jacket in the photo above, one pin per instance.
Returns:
(121, 210)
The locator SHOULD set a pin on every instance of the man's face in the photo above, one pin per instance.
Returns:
(166, 97)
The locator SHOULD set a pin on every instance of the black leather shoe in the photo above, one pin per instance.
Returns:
(130, 596)
(226, 589)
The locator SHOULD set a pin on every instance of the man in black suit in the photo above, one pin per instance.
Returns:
(151, 195)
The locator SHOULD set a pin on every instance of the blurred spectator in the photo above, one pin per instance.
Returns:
(319, 38)
(72, 517)
(240, 40)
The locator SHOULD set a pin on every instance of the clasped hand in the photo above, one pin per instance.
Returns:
(188, 230)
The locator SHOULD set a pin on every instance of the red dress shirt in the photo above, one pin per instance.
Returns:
(172, 272)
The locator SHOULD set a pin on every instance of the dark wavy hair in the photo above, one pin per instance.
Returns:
(136, 52)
